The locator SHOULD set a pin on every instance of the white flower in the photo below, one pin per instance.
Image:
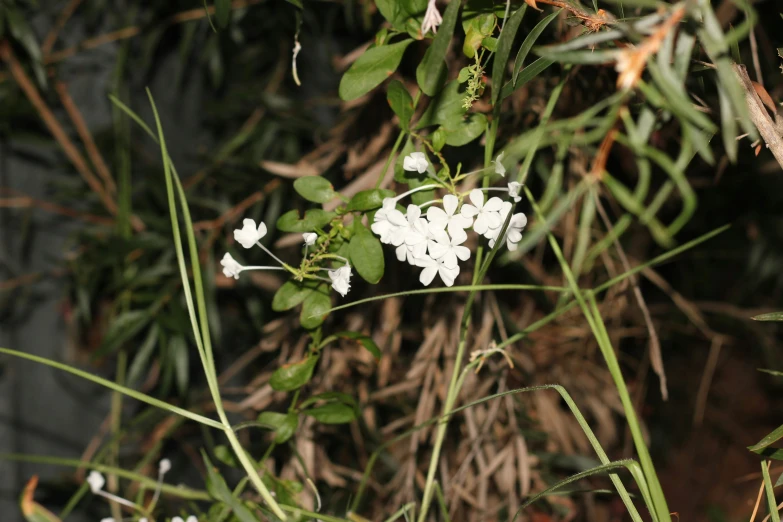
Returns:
(382, 226)
(403, 223)
(432, 19)
(109, 519)
(513, 232)
(447, 250)
(191, 518)
(432, 267)
(250, 234)
(165, 464)
(514, 189)
(231, 268)
(417, 235)
(492, 233)
(448, 216)
(309, 238)
(96, 481)
(415, 161)
(499, 168)
(487, 214)
(341, 279)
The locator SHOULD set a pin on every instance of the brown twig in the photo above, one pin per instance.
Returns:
(51, 38)
(27, 86)
(768, 128)
(129, 32)
(28, 202)
(84, 133)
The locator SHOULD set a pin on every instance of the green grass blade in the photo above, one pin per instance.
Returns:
(178, 491)
(505, 41)
(530, 40)
(772, 503)
(116, 387)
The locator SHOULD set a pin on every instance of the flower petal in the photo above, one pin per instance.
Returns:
(462, 252)
(493, 205)
(450, 203)
(477, 198)
(428, 274)
(437, 216)
(468, 211)
(480, 225)
(449, 259)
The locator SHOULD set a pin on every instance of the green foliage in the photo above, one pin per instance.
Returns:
(294, 375)
(283, 424)
(400, 102)
(432, 71)
(368, 200)
(315, 189)
(366, 254)
(371, 69)
(313, 219)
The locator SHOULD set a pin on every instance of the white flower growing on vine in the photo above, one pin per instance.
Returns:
(415, 239)
(487, 214)
(250, 234)
(499, 168)
(448, 217)
(448, 249)
(514, 189)
(231, 268)
(432, 18)
(341, 279)
(433, 267)
(309, 238)
(382, 226)
(415, 161)
(513, 232)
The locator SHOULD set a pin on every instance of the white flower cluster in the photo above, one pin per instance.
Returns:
(435, 242)
(251, 234)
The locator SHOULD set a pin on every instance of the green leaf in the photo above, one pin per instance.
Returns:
(225, 455)
(767, 441)
(294, 375)
(366, 253)
(369, 199)
(446, 108)
(218, 489)
(332, 413)
(124, 327)
(313, 218)
(472, 42)
(774, 316)
(315, 308)
(431, 72)
(223, 12)
(530, 40)
(291, 294)
(371, 69)
(283, 424)
(490, 43)
(771, 372)
(439, 139)
(400, 102)
(466, 131)
(315, 189)
(365, 340)
(330, 396)
(527, 74)
(398, 12)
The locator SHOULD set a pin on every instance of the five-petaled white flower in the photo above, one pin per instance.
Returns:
(191, 518)
(96, 481)
(434, 266)
(487, 214)
(448, 217)
(494, 232)
(432, 19)
(249, 235)
(382, 226)
(447, 250)
(309, 238)
(416, 236)
(499, 168)
(513, 191)
(231, 268)
(341, 279)
(415, 161)
(513, 232)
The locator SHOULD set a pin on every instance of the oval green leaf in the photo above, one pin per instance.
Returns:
(313, 218)
(293, 376)
(365, 340)
(371, 69)
(369, 200)
(332, 413)
(400, 102)
(315, 189)
(283, 424)
(291, 294)
(366, 253)
(315, 308)
(466, 131)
